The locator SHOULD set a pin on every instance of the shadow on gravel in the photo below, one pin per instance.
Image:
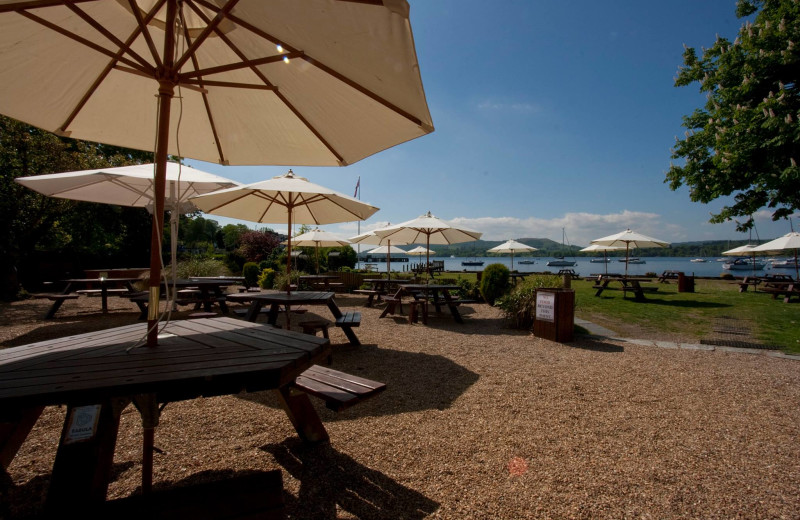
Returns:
(330, 479)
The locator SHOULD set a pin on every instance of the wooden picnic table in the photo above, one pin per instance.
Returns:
(629, 284)
(212, 291)
(787, 288)
(276, 300)
(324, 279)
(439, 294)
(97, 374)
(89, 285)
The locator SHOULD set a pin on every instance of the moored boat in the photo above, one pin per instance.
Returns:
(744, 264)
(698, 260)
(632, 260)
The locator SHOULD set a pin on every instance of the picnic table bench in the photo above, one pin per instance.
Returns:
(666, 276)
(629, 284)
(338, 389)
(788, 290)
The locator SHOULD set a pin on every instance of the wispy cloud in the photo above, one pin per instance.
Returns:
(580, 228)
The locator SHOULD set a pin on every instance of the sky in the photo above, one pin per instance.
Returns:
(548, 116)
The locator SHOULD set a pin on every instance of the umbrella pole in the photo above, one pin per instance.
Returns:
(389, 260)
(166, 91)
(289, 257)
(627, 245)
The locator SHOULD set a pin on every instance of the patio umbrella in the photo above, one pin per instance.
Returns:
(789, 241)
(132, 186)
(604, 249)
(509, 246)
(370, 238)
(285, 198)
(747, 249)
(629, 239)
(430, 228)
(317, 238)
(419, 251)
(303, 82)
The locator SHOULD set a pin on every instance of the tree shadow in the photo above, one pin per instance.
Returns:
(688, 304)
(329, 479)
(414, 381)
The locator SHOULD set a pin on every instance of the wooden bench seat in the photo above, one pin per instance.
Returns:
(58, 300)
(253, 495)
(349, 319)
(338, 389)
(99, 292)
(371, 295)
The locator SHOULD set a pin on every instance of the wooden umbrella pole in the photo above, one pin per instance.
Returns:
(166, 89)
(289, 252)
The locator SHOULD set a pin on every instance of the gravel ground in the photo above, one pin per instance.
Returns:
(478, 421)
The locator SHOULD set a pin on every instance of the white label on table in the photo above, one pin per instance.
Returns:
(82, 423)
(545, 306)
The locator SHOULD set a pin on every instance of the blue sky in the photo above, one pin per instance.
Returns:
(548, 115)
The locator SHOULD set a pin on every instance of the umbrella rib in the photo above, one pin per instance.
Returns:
(221, 14)
(35, 4)
(204, 94)
(327, 69)
(85, 42)
(105, 32)
(142, 27)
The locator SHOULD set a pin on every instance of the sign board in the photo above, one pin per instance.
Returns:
(82, 423)
(545, 306)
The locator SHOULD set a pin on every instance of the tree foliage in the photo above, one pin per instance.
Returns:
(68, 230)
(745, 141)
(258, 245)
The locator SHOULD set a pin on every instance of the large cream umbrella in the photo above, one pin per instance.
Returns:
(419, 251)
(789, 241)
(628, 239)
(371, 238)
(317, 238)
(132, 186)
(284, 82)
(285, 198)
(431, 230)
(509, 246)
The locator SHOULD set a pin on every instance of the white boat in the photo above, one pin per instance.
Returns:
(526, 261)
(632, 261)
(600, 260)
(784, 264)
(559, 260)
(698, 260)
(744, 264)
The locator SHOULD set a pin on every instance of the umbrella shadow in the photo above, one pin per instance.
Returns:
(415, 381)
(594, 344)
(329, 479)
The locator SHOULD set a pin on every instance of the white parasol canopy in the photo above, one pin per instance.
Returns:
(419, 251)
(370, 238)
(789, 241)
(132, 186)
(301, 82)
(285, 198)
(510, 246)
(629, 239)
(317, 238)
(387, 250)
(431, 230)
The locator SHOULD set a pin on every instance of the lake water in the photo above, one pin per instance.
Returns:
(583, 266)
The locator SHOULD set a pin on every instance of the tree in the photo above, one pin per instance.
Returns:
(70, 231)
(232, 234)
(745, 142)
(258, 245)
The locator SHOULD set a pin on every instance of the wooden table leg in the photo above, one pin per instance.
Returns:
(302, 414)
(14, 429)
(82, 468)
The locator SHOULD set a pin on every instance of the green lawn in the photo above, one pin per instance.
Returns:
(692, 314)
(689, 314)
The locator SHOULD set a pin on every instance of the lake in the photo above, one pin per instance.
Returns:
(583, 267)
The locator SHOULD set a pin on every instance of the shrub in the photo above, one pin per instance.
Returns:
(726, 276)
(282, 280)
(494, 282)
(468, 290)
(519, 306)
(250, 271)
(196, 266)
(266, 280)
